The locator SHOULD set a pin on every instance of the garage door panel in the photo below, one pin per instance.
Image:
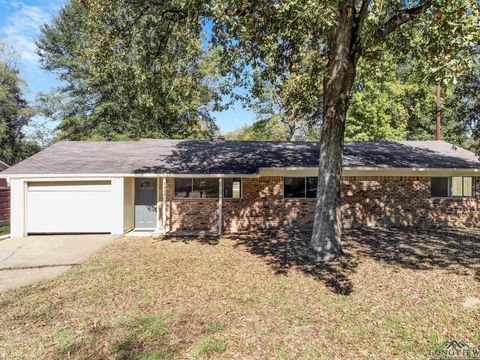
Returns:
(69, 186)
(69, 207)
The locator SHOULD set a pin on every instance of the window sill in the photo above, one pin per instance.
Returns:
(302, 199)
(175, 198)
(453, 197)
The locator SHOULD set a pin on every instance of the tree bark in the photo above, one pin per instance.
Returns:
(343, 57)
(344, 52)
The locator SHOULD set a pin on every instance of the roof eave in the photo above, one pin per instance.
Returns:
(277, 171)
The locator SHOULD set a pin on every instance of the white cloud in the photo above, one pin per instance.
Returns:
(22, 27)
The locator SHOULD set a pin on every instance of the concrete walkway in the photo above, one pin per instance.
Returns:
(36, 258)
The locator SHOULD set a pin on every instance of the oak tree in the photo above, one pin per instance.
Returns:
(276, 38)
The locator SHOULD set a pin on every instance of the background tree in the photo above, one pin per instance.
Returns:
(131, 69)
(334, 35)
(15, 114)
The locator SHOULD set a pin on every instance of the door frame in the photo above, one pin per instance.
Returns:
(156, 227)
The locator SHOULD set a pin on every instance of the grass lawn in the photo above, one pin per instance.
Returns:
(396, 294)
(4, 229)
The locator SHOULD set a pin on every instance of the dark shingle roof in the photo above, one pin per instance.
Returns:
(232, 157)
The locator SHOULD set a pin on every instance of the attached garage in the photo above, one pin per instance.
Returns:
(69, 207)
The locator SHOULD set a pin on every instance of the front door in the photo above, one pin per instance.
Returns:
(145, 203)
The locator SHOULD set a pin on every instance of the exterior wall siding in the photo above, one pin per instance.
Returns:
(366, 201)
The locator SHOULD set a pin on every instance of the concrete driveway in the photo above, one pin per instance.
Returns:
(35, 258)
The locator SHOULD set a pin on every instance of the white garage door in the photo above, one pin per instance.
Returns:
(69, 207)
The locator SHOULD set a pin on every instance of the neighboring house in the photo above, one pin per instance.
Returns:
(4, 197)
(230, 186)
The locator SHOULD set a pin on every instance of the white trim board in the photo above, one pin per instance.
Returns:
(287, 171)
(347, 171)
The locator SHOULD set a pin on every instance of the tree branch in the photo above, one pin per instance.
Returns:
(402, 17)
(362, 14)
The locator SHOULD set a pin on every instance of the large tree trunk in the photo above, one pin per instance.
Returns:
(344, 51)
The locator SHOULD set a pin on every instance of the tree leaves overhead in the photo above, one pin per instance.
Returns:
(132, 69)
(284, 44)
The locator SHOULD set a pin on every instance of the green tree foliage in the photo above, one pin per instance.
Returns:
(391, 102)
(15, 114)
(461, 111)
(328, 39)
(131, 69)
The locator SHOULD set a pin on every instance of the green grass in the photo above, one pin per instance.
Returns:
(209, 346)
(64, 341)
(4, 229)
(395, 294)
(215, 328)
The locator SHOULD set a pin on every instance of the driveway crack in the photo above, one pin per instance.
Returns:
(12, 253)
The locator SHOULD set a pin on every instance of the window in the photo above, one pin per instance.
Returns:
(456, 186)
(300, 187)
(198, 188)
(183, 188)
(232, 188)
(312, 187)
(207, 188)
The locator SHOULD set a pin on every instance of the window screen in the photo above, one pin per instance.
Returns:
(455, 186)
(294, 187)
(232, 188)
(312, 187)
(201, 188)
(205, 188)
(183, 188)
(468, 186)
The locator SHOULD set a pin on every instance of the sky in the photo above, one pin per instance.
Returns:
(20, 22)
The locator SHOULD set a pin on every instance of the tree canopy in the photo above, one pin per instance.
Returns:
(15, 114)
(130, 69)
(328, 40)
(394, 103)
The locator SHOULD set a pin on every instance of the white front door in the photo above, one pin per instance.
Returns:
(69, 207)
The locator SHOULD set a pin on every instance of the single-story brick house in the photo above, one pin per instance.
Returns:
(228, 186)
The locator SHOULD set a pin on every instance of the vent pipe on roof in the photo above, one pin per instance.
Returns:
(437, 113)
(220, 138)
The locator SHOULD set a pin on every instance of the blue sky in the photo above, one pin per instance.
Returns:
(20, 22)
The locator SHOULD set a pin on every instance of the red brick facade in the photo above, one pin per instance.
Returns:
(4, 202)
(371, 201)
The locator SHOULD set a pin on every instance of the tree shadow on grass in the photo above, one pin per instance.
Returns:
(288, 250)
(455, 250)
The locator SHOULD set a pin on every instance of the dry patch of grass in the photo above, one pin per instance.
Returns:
(396, 294)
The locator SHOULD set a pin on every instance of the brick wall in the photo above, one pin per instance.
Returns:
(403, 201)
(188, 214)
(4, 202)
(371, 201)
